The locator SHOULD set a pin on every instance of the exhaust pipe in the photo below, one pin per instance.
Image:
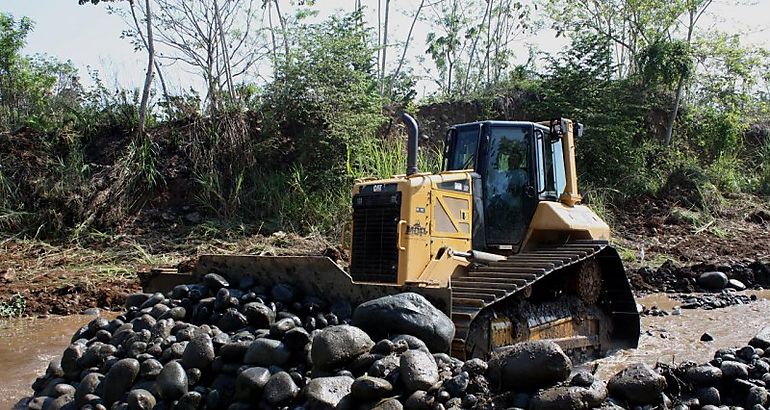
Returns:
(412, 143)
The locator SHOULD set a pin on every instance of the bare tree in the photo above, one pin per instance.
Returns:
(406, 43)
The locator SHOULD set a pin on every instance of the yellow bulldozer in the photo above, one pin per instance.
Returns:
(498, 240)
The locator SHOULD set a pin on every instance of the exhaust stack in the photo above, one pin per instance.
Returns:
(412, 143)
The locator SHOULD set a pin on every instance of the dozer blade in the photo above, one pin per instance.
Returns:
(312, 275)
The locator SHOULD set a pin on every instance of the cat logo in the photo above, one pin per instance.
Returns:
(416, 229)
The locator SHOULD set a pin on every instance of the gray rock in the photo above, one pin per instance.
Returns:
(384, 366)
(258, 315)
(267, 352)
(367, 388)
(215, 282)
(337, 346)
(756, 396)
(140, 400)
(190, 401)
(327, 392)
(117, 381)
(708, 396)
(388, 404)
(412, 342)
(232, 320)
(457, 385)
(572, 397)
(70, 358)
(582, 378)
(64, 389)
(199, 352)
(736, 284)
(734, 370)
(704, 375)
(637, 384)
(150, 368)
(712, 280)
(529, 366)
(419, 400)
(475, 367)
(136, 299)
(418, 370)
(250, 383)
(280, 389)
(172, 381)
(235, 351)
(762, 339)
(89, 385)
(406, 313)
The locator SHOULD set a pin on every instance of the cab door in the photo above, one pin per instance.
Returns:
(508, 179)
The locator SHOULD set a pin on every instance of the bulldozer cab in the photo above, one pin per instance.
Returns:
(518, 164)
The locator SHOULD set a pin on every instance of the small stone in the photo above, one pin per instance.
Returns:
(250, 383)
(367, 388)
(327, 392)
(267, 352)
(706, 337)
(140, 400)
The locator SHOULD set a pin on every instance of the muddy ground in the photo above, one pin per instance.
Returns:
(99, 270)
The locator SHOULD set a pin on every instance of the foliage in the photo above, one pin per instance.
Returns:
(14, 307)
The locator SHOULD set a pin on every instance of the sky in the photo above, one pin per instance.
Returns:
(90, 37)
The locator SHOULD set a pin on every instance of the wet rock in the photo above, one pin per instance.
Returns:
(69, 360)
(250, 382)
(475, 367)
(704, 375)
(190, 401)
(367, 388)
(756, 396)
(529, 366)
(258, 315)
(419, 400)
(761, 339)
(572, 397)
(411, 342)
(637, 384)
(734, 370)
(708, 396)
(150, 368)
(215, 282)
(336, 346)
(712, 280)
(388, 404)
(232, 320)
(89, 385)
(120, 377)
(280, 389)
(267, 352)
(327, 392)
(199, 352)
(383, 367)
(172, 381)
(406, 313)
(736, 284)
(140, 400)
(418, 370)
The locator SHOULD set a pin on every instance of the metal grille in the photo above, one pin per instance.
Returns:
(375, 233)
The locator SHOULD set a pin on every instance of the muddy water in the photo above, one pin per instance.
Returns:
(26, 347)
(674, 339)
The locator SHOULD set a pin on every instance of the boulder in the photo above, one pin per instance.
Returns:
(267, 352)
(199, 352)
(140, 399)
(117, 381)
(529, 366)
(736, 284)
(280, 389)
(734, 370)
(337, 346)
(704, 375)
(406, 313)
(637, 384)
(324, 393)
(570, 397)
(172, 381)
(250, 382)
(712, 280)
(762, 339)
(367, 388)
(418, 370)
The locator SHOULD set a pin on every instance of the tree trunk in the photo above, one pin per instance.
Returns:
(675, 111)
(406, 45)
(225, 54)
(384, 47)
(148, 77)
(283, 30)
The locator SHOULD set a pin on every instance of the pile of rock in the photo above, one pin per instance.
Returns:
(702, 277)
(216, 346)
(714, 300)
